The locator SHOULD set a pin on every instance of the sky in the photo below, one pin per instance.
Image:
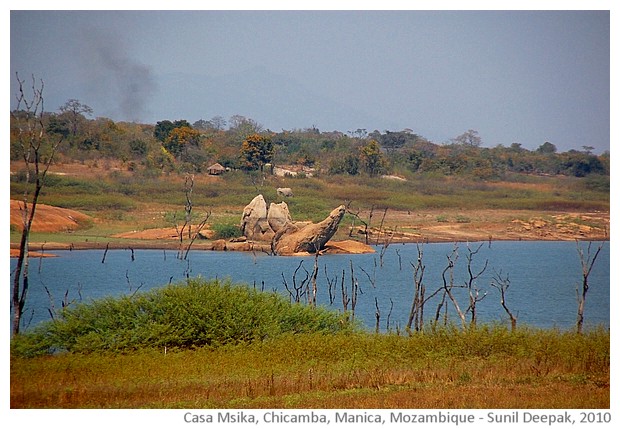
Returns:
(513, 76)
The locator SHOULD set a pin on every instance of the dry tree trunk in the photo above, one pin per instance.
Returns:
(188, 189)
(587, 263)
(448, 286)
(416, 313)
(502, 284)
(472, 288)
(30, 133)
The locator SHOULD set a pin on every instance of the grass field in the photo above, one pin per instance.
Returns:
(99, 190)
(484, 368)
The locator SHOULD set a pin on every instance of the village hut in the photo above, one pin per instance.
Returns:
(216, 169)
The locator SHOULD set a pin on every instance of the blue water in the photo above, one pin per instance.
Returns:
(542, 293)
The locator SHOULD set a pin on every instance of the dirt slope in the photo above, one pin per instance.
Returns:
(48, 218)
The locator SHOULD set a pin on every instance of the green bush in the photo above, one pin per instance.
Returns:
(193, 314)
(225, 230)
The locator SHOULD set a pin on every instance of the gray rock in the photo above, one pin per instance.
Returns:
(285, 192)
(278, 216)
(254, 224)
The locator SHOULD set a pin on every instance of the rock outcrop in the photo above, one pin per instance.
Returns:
(287, 237)
(292, 238)
(278, 216)
(254, 224)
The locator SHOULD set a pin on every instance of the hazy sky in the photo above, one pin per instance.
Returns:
(513, 76)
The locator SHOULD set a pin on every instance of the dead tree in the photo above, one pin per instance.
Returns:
(345, 295)
(367, 224)
(356, 215)
(400, 260)
(297, 293)
(449, 285)
(387, 323)
(188, 189)
(502, 284)
(440, 307)
(472, 287)
(354, 291)
(385, 210)
(330, 285)
(587, 263)
(417, 313)
(377, 315)
(37, 151)
(372, 279)
(315, 272)
(388, 237)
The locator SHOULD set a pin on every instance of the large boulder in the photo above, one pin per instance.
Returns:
(292, 239)
(254, 224)
(287, 237)
(278, 216)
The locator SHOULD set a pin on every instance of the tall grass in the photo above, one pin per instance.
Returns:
(487, 367)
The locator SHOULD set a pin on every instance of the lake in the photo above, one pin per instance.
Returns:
(543, 279)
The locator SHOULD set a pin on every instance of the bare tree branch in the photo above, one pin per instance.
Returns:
(587, 263)
(472, 287)
(38, 154)
(502, 284)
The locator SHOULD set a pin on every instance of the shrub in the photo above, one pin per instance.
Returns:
(225, 230)
(185, 315)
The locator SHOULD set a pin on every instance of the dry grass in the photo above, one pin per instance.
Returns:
(526, 370)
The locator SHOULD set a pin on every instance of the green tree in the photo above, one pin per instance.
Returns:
(160, 161)
(393, 141)
(579, 164)
(138, 147)
(163, 128)
(547, 147)
(256, 151)
(345, 165)
(180, 139)
(372, 158)
(58, 125)
(201, 124)
(516, 147)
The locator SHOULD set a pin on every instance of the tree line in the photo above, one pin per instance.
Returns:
(243, 143)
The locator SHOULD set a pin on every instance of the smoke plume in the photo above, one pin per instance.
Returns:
(113, 73)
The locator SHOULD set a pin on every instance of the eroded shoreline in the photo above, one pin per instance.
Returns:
(38, 250)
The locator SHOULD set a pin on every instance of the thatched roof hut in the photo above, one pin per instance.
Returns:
(216, 169)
